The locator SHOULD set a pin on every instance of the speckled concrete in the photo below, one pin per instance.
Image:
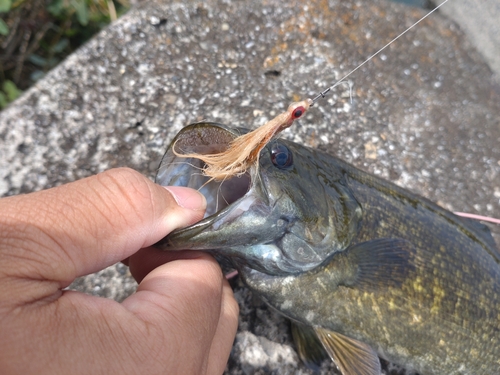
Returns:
(480, 20)
(424, 113)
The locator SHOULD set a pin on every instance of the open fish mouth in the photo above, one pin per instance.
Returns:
(202, 138)
(221, 196)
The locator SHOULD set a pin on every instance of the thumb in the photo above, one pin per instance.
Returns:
(90, 224)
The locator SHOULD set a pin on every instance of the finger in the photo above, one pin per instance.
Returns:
(81, 227)
(223, 340)
(145, 260)
(183, 299)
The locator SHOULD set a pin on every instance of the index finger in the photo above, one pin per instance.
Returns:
(81, 227)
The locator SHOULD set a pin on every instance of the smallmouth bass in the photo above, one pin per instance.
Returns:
(363, 268)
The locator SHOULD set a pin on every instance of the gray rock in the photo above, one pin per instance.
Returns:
(423, 114)
(480, 20)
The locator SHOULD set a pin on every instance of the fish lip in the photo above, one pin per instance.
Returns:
(181, 239)
(210, 220)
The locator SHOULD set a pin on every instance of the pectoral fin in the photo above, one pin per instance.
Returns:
(380, 263)
(351, 356)
(309, 348)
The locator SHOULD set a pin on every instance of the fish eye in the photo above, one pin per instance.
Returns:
(281, 156)
(297, 112)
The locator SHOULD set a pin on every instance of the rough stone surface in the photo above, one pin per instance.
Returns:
(423, 114)
(480, 21)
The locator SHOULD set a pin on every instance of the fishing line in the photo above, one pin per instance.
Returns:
(323, 93)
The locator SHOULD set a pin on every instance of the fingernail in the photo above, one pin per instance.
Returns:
(187, 197)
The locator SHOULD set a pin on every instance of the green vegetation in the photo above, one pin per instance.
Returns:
(35, 35)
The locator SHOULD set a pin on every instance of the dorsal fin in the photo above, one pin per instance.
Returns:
(484, 233)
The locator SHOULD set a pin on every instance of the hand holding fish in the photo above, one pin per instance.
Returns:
(182, 319)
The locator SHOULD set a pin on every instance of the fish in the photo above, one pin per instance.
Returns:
(363, 268)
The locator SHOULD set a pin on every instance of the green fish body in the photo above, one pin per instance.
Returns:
(363, 268)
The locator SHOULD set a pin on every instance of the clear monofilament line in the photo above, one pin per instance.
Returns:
(323, 93)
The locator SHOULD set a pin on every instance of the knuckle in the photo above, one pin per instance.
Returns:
(130, 191)
(127, 181)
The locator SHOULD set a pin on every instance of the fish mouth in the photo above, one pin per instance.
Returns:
(226, 200)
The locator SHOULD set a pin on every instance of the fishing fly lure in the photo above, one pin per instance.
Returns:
(244, 151)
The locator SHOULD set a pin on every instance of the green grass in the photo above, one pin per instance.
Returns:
(35, 35)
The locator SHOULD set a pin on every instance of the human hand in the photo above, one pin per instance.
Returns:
(182, 319)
